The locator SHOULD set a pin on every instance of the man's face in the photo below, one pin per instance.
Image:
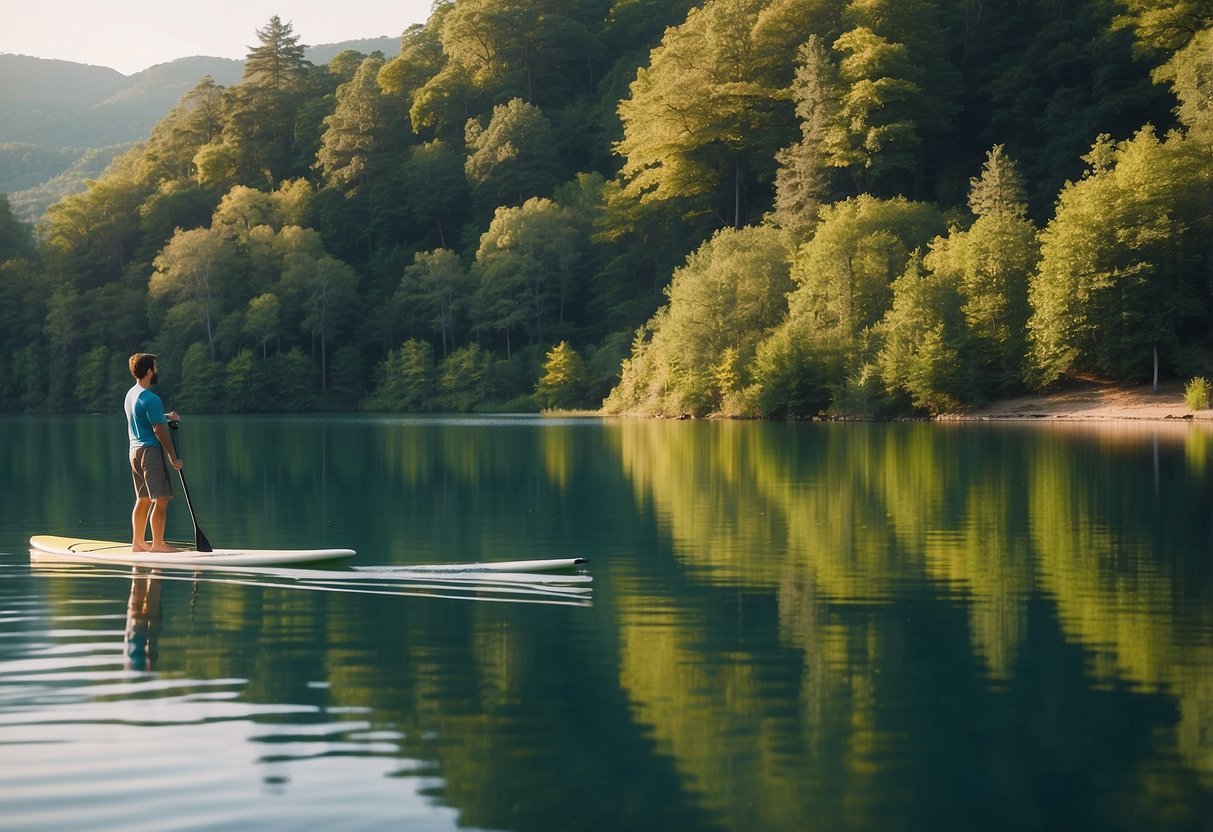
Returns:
(155, 372)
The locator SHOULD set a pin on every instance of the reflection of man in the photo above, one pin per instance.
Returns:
(143, 616)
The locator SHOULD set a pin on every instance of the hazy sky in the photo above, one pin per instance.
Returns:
(131, 35)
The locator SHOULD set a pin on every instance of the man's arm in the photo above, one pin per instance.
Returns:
(166, 441)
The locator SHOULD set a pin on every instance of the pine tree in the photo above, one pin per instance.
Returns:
(278, 63)
(802, 180)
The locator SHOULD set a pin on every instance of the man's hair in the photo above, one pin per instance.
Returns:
(141, 362)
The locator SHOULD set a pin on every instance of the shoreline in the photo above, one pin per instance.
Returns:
(1084, 400)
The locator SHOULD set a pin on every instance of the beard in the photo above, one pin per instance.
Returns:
(155, 377)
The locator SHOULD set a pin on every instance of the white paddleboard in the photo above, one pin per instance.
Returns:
(45, 547)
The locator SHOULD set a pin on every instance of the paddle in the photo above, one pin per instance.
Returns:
(200, 541)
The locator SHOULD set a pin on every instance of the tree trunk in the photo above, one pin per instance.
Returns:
(737, 195)
(1154, 387)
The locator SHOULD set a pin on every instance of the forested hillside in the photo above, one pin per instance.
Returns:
(748, 207)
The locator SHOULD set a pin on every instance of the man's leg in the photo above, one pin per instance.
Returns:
(143, 507)
(159, 518)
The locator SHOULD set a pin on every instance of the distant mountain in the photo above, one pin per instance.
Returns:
(63, 122)
(325, 52)
(62, 104)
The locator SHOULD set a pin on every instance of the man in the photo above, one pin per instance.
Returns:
(151, 452)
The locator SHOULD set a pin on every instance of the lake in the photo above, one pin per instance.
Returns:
(996, 626)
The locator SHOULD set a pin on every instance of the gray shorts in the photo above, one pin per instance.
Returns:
(149, 473)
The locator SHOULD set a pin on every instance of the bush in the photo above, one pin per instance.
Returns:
(1196, 394)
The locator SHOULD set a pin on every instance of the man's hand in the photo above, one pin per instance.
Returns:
(177, 464)
(172, 416)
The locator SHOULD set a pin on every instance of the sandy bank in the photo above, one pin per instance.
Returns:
(1083, 400)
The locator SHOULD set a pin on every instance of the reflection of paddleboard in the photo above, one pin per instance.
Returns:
(44, 547)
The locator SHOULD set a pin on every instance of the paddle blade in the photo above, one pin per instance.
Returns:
(200, 541)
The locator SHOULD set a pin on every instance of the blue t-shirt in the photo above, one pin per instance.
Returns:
(143, 409)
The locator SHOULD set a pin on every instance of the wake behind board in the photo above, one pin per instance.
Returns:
(45, 547)
(489, 567)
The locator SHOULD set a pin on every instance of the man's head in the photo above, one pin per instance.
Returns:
(142, 363)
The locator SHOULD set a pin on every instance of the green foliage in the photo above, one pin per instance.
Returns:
(202, 382)
(460, 377)
(195, 269)
(924, 338)
(1188, 73)
(409, 378)
(697, 111)
(564, 378)
(729, 295)
(16, 237)
(802, 182)
(796, 375)
(525, 267)
(97, 386)
(434, 291)
(1196, 394)
(1121, 263)
(844, 275)
(278, 62)
(354, 131)
(512, 158)
(273, 239)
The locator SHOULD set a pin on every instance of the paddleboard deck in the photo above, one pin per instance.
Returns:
(45, 547)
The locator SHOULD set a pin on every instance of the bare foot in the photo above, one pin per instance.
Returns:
(140, 547)
(162, 547)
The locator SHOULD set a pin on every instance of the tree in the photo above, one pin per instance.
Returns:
(435, 285)
(16, 237)
(91, 237)
(326, 289)
(730, 294)
(1122, 289)
(202, 381)
(420, 59)
(822, 352)
(261, 113)
(844, 275)
(355, 130)
(1167, 25)
(242, 209)
(460, 377)
(802, 181)
(993, 261)
(875, 134)
(695, 113)
(196, 267)
(513, 158)
(923, 338)
(408, 383)
(564, 377)
(525, 267)
(435, 187)
(195, 122)
(278, 61)
(1190, 74)
(525, 48)
(261, 320)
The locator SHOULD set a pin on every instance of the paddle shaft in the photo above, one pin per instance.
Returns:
(200, 541)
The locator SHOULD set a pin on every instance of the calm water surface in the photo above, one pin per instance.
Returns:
(788, 627)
